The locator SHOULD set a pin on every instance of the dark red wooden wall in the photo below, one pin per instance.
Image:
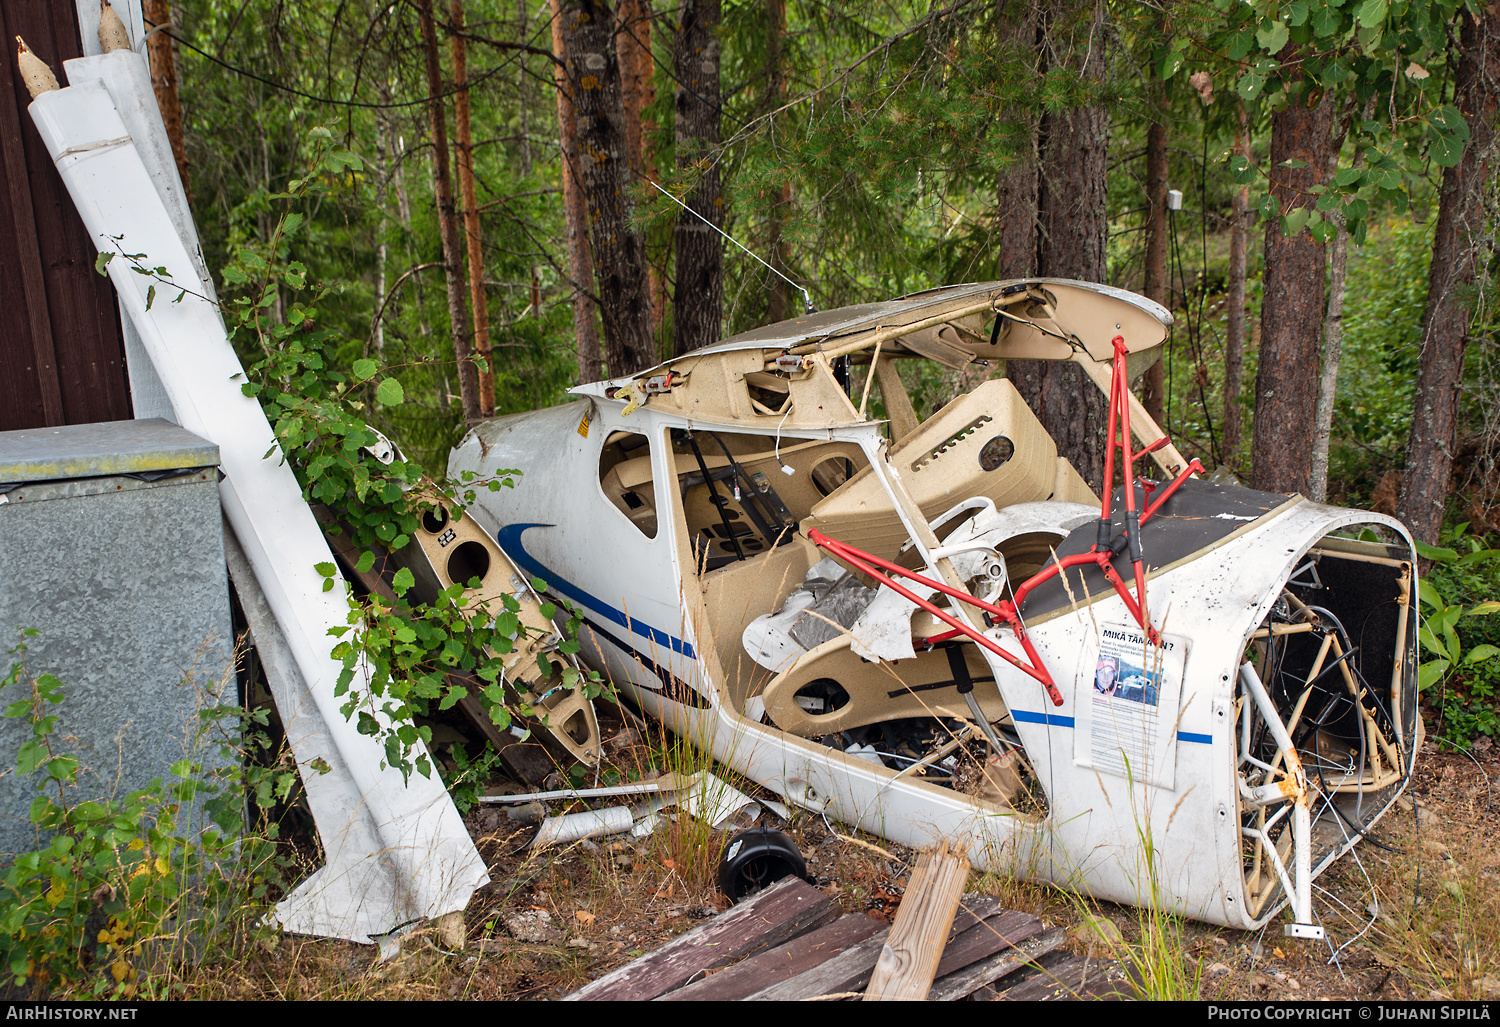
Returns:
(62, 358)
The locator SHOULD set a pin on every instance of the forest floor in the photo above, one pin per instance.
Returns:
(1415, 916)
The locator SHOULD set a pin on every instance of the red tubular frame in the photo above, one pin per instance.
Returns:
(867, 563)
(1100, 554)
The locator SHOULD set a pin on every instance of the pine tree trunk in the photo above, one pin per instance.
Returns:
(619, 253)
(478, 302)
(575, 213)
(1015, 223)
(468, 377)
(1456, 251)
(164, 82)
(1071, 238)
(1014, 238)
(779, 298)
(1234, 332)
(698, 303)
(1292, 305)
(638, 94)
(1153, 388)
(633, 42)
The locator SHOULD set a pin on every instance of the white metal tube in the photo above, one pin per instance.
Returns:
(589, 824)
(1301, 895)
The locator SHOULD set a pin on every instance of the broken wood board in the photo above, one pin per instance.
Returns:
(786, 909)
(782, 963)
(846, 973)
(1075, 978)
(829, 958)
(976, 978)
(986, 938)
(914, 948)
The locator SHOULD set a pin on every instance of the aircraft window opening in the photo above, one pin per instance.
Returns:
(626, 478)
(769, 393)
(739, 499)
(995, 452)
(829, 474)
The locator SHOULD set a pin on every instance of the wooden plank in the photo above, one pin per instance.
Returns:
(985, 939)
(919, 933)
(850, 971)
(845, 973)
(781, 963)
(972, 909)
(788, 908)
(1073, 979)
(979, 975)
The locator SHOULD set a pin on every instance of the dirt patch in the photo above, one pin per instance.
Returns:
(1415, 916)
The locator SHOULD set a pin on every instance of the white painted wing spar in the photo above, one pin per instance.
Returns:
(396, 851)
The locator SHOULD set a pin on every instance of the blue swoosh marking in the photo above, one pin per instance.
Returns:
(1028, 717)
(672, 687)
(509, 538)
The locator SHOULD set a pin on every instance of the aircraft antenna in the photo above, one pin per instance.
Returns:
(806, 298)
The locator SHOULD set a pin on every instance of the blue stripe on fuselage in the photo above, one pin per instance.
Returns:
(1028, 717)
(509, 538)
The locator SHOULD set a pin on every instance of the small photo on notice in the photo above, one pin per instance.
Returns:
(1118, 678)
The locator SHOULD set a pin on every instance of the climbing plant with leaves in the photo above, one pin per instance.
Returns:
(416, 657)
(1377, 57)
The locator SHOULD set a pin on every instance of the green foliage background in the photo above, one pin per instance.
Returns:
(893, 123)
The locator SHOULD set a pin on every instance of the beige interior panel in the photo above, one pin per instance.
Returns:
(944, 462)
(878, 693)
(736, 594)
(941, 343)
(1069, 485)
(1091, 318)
(898, 406)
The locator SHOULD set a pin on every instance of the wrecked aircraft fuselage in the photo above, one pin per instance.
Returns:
(932, 636)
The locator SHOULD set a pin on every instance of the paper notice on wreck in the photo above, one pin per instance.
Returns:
(1128, 702)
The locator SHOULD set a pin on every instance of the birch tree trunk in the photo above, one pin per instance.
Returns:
(382, 180)
(1333, 348)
